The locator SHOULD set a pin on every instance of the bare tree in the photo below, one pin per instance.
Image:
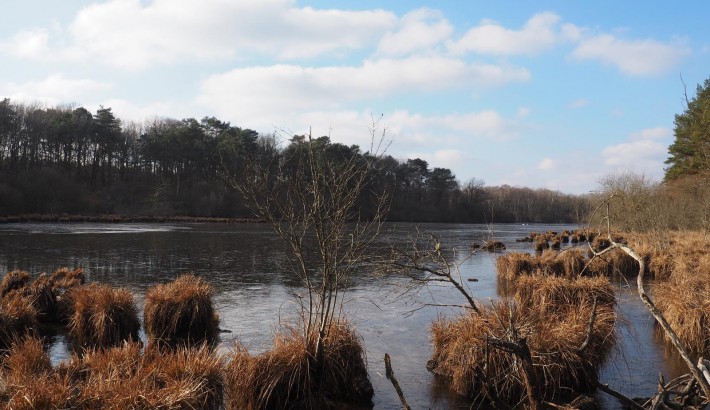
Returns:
(310, 194)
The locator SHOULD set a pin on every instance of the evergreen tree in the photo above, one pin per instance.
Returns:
(690, 152)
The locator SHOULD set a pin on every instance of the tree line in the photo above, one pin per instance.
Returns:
(68, 160)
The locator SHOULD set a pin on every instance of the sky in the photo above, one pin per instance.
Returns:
(544, 94)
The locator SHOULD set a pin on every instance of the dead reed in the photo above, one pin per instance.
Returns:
(685, 303)
(102, 316)
(463, 352)
(14, 280)
(62, 281)
(180, 313)
(115, 378)
(568, 263)
(17, 318)
(288, 376)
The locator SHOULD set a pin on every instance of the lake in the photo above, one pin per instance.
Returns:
(246, 265)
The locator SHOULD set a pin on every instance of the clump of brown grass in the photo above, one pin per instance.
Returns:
(180, 313)
(102, 316)
(551, 293)
(43, 299)
(288, 376)
(493, 246)
(62, 281)
(686, 306)
(514, 264)
(568, 263)
(115, 378)
(541, 245)
(17, 318)
(14, 280)
(554, 335)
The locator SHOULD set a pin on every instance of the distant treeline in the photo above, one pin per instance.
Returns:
(67, 160)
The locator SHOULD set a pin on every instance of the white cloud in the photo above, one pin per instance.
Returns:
(643, 156)
(580, 103)
(636, 57)
(53, 90)
(262, 94)
(546, 164)
(32, 43)
(540, 33)
(420, 30)
(135, 34)
(652, 134)
(445, 158)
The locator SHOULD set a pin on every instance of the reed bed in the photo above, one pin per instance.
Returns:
(287, 375)
(180, 313)
(13, 281)
(686, 306)
(568, 263)
(17, 318)
(62, 281)
(116, 378)
(102, 316)
(554, 335)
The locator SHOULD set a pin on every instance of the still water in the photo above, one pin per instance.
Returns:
(246, 265)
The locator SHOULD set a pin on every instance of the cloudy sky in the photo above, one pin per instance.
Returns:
(552, 94)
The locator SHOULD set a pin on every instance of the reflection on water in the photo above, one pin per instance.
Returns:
(254, 292)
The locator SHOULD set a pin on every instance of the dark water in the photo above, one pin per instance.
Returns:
(246, 265)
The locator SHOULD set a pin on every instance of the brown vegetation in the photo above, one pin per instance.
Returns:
(17, 318)
(555, 322)
(14, 280)
(119, 377)
(568, 263)
(102, 316)
(180, 313)
(287, 376)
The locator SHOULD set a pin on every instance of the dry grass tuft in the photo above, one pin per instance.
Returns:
(17, 318)
(553, 335)
(102, 316)
(686, 306)
(14, 280)
(180, 313)
(568, 263)
(286, 376)
(115, 378)
(63, 280)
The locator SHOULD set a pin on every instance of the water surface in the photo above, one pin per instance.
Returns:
(246, 265)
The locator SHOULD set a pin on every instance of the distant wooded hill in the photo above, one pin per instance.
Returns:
(67, 160)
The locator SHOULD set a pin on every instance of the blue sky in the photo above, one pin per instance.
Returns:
(552, 94)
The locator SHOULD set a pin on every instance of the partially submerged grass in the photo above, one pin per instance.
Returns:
(568, 263)
(462, 351)
(287, 375)
(17, 318)
(116, 378)
(686, 307)
(13, 281)
(62, 281)
(180, 313)
(102, 316)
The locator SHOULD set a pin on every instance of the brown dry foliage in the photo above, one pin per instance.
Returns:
(17, 318)
(554, 332)
(14, 280)
(102, 316)
(568, 263)
(114, 378)
(180, 313)
(286, 375)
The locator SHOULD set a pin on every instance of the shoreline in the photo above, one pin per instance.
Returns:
(110, 218)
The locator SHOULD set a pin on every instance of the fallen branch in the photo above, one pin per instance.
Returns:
(390, 376)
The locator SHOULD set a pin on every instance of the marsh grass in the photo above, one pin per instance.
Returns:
(287, 376)
(102, 316)
(181, 313)
(17, 318)
(568, 263)
(13, 281)
(121, 377)
(554, 332)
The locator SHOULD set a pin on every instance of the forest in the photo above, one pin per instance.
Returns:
(66, 160)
